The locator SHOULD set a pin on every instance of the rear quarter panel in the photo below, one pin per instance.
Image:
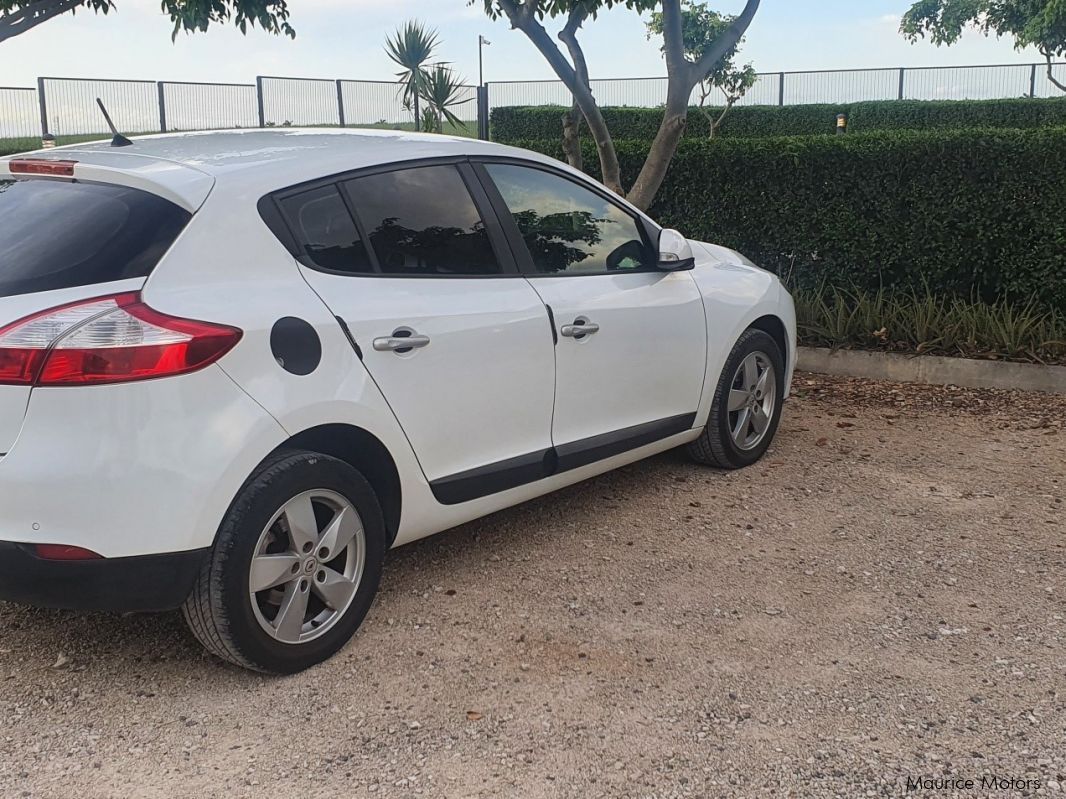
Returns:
(228, 267)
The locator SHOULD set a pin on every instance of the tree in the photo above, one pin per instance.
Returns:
(19, 16)
(442, 90)
(700, 28)
(683, 74)
(1032, 23)
(411, 48)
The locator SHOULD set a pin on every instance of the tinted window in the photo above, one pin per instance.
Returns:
(567, 227)
(325, 231)
(423, 222)
(57, 235)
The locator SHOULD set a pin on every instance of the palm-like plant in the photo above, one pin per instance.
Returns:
(442, 91)
(411, 48)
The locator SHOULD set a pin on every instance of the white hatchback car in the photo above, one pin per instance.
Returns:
(237, 367)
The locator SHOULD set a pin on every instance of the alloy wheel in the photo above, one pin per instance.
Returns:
(307, 566)
(752, 400)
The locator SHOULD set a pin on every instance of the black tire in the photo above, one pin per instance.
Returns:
(715, 446)
(219, 611)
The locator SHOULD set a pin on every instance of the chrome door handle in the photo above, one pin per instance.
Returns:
(400, 343)
(579, 329)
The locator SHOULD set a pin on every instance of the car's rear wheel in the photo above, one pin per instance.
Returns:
(295, 567)
(747, 405)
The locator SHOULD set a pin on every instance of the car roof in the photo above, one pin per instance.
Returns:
(273, 158)
(187, 167)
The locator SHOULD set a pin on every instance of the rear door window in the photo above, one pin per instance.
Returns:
(423, 221)
(326, 231)
(58, 234)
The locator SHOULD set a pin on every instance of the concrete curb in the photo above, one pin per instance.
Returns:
(933, 369)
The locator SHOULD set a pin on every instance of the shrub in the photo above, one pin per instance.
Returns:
(975, 213)
(544, 122)
(931, 114)
(923, 321)
(514, 123)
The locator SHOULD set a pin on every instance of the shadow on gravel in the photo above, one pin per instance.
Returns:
(134, 647)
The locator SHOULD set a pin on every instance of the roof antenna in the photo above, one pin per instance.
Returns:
(119, 140)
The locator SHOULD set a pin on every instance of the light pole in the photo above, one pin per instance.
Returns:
(481, 43)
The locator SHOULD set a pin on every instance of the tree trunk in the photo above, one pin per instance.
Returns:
(523, 17)
(683, 75)
(572, 137)
(662, 149)
(1051, 71)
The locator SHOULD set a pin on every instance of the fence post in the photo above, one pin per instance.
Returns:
(483, 112)
(44, 107)
(162, 107)
(340, 102)
(1032, 82)
(902, 79)
(781, 90)
(259, 100)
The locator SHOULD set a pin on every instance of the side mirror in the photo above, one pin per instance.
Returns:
(675, 253)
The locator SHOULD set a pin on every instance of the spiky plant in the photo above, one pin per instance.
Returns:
(443, 90)
(411, 48)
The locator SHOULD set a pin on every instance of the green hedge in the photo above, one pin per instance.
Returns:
(545, 122)
(511, 123)
(973, 213)
(957, 114)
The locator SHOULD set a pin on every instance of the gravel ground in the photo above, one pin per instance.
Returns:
(881, 598)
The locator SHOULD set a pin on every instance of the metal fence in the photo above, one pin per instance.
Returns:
(204, 106)
(802, 88)
(20, 120)
(66, 107)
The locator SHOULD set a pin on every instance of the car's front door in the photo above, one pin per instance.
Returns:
(632, 340)
(457, 341)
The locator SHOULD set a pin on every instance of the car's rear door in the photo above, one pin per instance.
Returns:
(411, 258)
(632, 340)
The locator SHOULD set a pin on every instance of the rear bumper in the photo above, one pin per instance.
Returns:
(142, 583)
(132, 469)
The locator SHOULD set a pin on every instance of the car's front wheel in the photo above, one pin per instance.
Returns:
(294, 568)
(747, 405)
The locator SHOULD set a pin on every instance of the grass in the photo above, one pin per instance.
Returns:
(920, 321)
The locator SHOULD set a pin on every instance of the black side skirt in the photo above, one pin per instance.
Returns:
(513, 472)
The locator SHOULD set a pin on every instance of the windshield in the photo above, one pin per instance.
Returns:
(61, 234)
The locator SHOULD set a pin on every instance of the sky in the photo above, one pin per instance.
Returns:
(344, 38)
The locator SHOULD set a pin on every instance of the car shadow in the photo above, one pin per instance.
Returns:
(135, 645)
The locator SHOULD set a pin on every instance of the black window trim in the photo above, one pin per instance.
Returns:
(276, 220)
(649, 231)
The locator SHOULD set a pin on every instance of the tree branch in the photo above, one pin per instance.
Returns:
(1051, 69)
(683, 75)
(522, 16)
(572, 118)
(726, 42)
(673, 37)
(32, 15)
(568, 36)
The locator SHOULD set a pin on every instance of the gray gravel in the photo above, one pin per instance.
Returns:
(881, 598)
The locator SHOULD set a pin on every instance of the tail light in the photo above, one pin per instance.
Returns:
(114, 339)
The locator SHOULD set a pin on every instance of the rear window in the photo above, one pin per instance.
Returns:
(58, 235)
